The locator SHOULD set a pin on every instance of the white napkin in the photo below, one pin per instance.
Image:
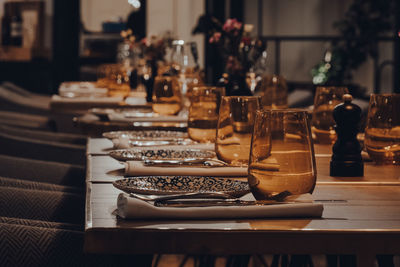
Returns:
(132, 208)
(89, 100)
(136, 168)
(157, 118)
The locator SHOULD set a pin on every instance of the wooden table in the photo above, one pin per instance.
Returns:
(361, 216)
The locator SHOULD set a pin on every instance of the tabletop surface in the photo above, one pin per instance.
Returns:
(360, 215)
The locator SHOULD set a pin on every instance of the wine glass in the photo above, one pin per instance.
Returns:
(382, 133)
(282, 160)
(235, 127)
(326, 99)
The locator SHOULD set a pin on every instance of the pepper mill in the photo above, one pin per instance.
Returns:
(346, 158)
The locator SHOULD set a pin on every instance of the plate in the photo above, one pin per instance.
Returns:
(167, 185)
(103, 113)
(146, 135)
(175, 154)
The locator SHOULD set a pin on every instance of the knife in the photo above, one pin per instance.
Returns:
(215, 202)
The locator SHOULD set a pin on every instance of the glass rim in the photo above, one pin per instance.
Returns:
(283, 110)
(241, 97)
(203, 87)
(384, 94)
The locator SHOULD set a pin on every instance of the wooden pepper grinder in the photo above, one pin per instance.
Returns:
(346, 158)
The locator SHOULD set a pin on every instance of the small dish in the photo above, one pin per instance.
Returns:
(156, 154)
(146, 135)
(167, 185)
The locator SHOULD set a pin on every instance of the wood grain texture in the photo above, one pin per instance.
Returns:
(361, 216)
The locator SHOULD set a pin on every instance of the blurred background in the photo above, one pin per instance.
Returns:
(66, 40)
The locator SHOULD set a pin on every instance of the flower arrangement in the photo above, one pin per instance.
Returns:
(238, 49)
(153, 48)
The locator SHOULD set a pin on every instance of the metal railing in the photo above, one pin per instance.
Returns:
(378, 67)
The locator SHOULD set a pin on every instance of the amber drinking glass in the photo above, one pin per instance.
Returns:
(203, 113)
(119, 81)
(382, 133)
(274, 92)
(167, 97)
(235, 127)
(282, 157)
(326, 98)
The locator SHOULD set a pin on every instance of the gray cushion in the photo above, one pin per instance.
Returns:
(42, 150)
(42, 205)
(18, 183)
(42, 171)
(44, 135)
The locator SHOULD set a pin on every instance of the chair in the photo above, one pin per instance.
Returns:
(25, 120)
(15, 98)
(68, 138)
(42, 150)
(42, 171)
(18, 183)
(42, 205)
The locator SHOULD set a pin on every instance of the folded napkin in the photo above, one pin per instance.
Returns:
(136, 168)
(132, 208)
(137, 99)
(88, 100)
(156, 118)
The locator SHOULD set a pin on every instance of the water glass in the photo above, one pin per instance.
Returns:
(382, 133)
(203, 113)
(282, 160)
(235, 127)
(274, 92)
(325, 100)
(119, 81)
(167, 97)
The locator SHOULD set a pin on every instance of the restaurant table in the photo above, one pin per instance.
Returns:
(92, 126)
(361, 217)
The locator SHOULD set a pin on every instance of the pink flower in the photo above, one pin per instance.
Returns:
(215, 38)
(232, 25)
(246, 40)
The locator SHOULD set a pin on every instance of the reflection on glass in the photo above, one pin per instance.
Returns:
(115, 78)
(203, 113)
(326, 98)
(167, 98)
(282, 154)
(382, 134)
(235, 127)
(274, 92)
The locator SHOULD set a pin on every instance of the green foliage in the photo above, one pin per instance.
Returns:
(363, 23)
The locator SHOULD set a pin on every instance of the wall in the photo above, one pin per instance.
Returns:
(177, 16)
(308, 17)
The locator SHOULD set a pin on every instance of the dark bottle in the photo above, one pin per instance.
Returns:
(16, 30)
(5, 30)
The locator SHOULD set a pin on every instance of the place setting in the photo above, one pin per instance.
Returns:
(256, 153)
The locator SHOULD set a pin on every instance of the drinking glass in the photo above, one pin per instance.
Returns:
(282, 160)
(326, 99)
(235, 127)
(119, 81)
(103, 75)
(382, 133)
(274, 92)
(167, 97)
(203, 113)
